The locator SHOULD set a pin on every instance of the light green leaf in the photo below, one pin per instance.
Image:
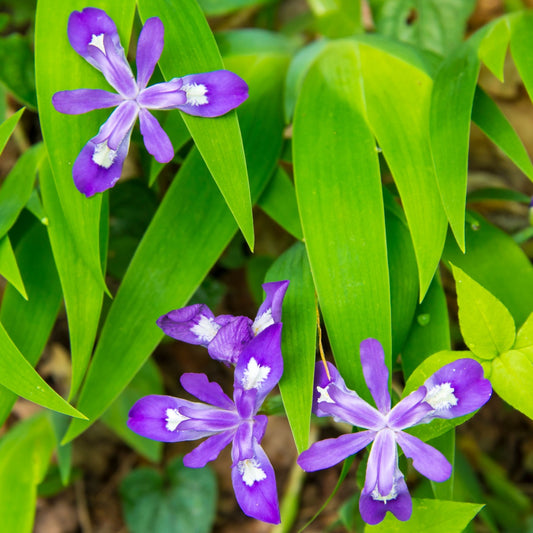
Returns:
(338, 188)
(8, 127)
(431, 516)
(524, 338)
(493, 47)
(498, 193)
(252, 41)
(190, 48)
(8, 266)
(521, 41)
(25, 453)
(223, 7)
(487, 327)
(446, 445)
(298, 340)
(394, 88)
(497, 263)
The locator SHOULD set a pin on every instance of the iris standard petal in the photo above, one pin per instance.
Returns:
(194, 324)
(270, 310)
(208, 450)
(457, 389)
(211, 94)
(410, 411)
(81, 101)
(149, 49)
(254, 483)
(166, 95)
(97, 168)
(207, 391)
(119, 123)
(155, 139)
(426, 459)
(376, 373)
(231, 339)
(329, 452)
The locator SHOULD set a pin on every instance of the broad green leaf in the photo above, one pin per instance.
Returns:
(29, 322)
(278, 201)
(495, 261)
(430, 331)
(298, 341)
(512, 379)
(434, 25)
(521, 41)
(17, 187)
(446, 445)
(493, 47)
(487, 327)
(430, 516)
(497, 193)
(338, 188)
(337, 18)
(147, 381)
(8, 127)
(17, 375)
(8, 266)
(181, 499)
(190, 48)
(223, 7)
(192, 218)
(394, 88)
(25, 453)
(524, 338)
(82, 293)
(496, 127)
(449, 126)
(250, 41)
(58, 67)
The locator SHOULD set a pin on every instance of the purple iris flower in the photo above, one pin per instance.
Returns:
(169, 419)
(455, 390)
(224, 336)
(94, 36)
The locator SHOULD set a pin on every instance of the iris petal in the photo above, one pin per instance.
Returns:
(149, 49)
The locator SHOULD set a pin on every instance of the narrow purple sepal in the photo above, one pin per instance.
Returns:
(81, 101)
(329, 452)
(270, 310)
(193, 324)
(231, 339)
(376, 373)
(208, 450)
(254, 483)
(165, 95)
(426, 459)
(207, 391)
(149, 49)
(155, 139)
(410, 411)
(211, 94)
(322, 380)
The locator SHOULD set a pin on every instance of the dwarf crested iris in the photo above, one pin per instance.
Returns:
(94, 36)
(169, 419)
(455, 390)
(224, 336)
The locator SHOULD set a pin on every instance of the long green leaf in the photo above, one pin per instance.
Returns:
(190, 47)
(194, 220)
(339, 195)
(521, 41)
(8, 266)
(8, 127)
(298, 340)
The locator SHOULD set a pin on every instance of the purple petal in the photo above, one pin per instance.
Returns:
(348, 407)
(376, 373)
(243, 442)
(82, 101)
(194, 324)
(260, 365)
(254, 483)
(207, 391)
(211, 94)
(90, 177)
(260, 424)
(155, 139)
(208, 450)
(373, 508)
(329, 452)
(457, 389)
(205, 418)
(382, 462)
(160, 418)
(231, 339)
(149, 48)
(409, 411)
(322, 380)
(166, 95)
(117, 126)
(270, 310)
(426, 459)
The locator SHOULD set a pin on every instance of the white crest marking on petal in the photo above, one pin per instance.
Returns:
(392, 495)
(324, 395)
(262, 322)
(206, 329)
(254, 375)
(196, 93)
(103, 156)
(98, 41)
(441, 397)
(174, 417)
(250, 471)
